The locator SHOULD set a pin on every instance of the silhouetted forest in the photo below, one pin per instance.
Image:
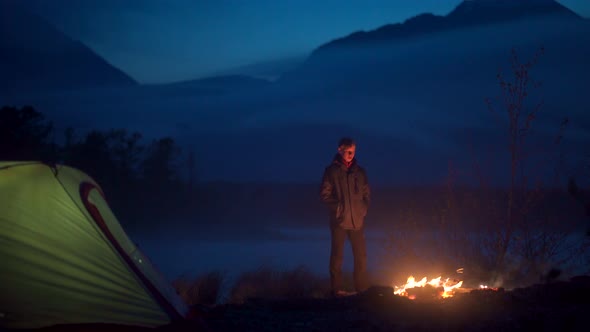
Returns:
(151, 182)
(139, 179)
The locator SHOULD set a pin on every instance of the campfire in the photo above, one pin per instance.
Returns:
(424, 289)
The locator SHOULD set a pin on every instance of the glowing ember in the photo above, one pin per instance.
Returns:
(484, 287)
(447, 287)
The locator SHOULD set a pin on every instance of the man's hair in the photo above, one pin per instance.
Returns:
(346, 142)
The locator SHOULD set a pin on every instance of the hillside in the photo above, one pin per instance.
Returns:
(35, 56)
(467, 14)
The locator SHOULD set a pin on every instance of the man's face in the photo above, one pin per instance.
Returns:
(347, 152)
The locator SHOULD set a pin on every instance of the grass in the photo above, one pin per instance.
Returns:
(204, 289)
(268, 283)
(264, 282)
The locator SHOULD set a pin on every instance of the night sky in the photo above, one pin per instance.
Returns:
(163, 41)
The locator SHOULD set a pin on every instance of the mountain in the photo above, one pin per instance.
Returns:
(427, 80)
(35, 56)
(450, 64)
(469, 13)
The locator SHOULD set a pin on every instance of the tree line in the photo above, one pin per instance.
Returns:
(139, 179)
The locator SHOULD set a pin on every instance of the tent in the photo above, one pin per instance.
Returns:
(65, 259)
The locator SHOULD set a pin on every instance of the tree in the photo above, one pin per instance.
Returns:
(137, 180)
(162, 188)
(24, 135)
(159, 166)
(126, 150)
(526, 235)
(519, 120)
(515, 230)
(92, 155)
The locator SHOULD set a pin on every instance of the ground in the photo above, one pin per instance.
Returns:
(556, 306)
(562, 306)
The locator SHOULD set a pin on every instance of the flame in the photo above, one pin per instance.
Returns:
(448, 285)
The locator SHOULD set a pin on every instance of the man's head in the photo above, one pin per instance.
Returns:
(347, 149)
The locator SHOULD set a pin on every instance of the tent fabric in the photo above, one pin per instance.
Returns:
(65, 259)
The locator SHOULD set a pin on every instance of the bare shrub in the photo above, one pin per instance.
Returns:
(204, 289)
(444, 244)
(521, 237)
(502, 234)
(269, 283)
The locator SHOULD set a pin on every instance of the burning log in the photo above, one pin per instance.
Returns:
(424, 289)
(426, 292)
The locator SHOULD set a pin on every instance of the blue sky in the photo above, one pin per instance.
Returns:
(158, 41)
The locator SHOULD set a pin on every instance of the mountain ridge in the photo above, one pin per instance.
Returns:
(35, 55)
(468, 13)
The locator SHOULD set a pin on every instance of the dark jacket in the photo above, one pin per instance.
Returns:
(346, 193)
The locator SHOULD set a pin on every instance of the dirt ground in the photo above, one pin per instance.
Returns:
(557, 306)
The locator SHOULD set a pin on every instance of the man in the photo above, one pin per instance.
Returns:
(345, 191)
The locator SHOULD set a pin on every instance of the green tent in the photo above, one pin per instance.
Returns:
(65, 259)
